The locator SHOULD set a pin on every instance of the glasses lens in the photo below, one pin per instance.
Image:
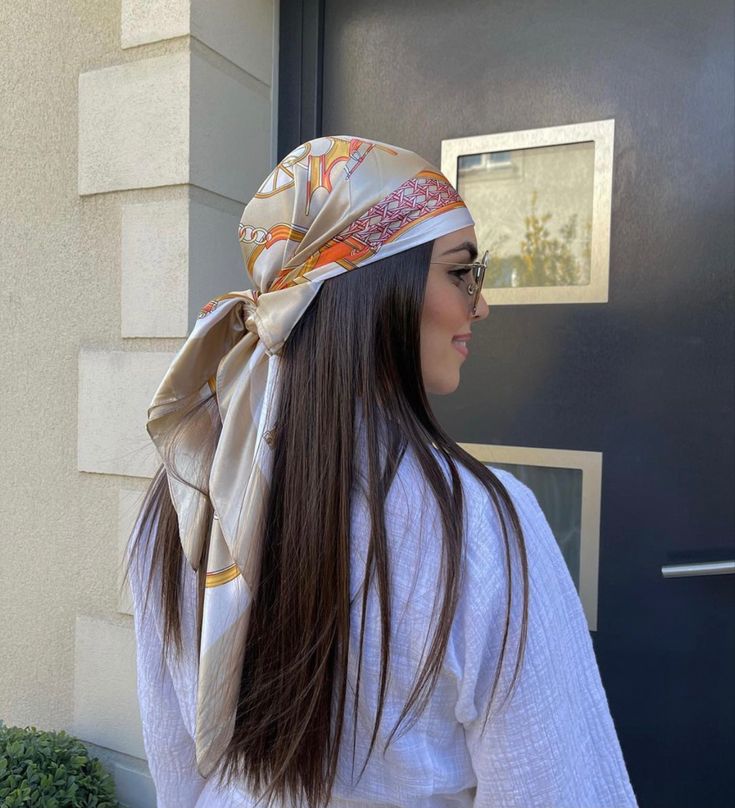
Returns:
(479, 278)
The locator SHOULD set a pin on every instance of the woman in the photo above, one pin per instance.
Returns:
(334, 602)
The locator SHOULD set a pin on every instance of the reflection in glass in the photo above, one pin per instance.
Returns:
(559, 493)
(533, 211)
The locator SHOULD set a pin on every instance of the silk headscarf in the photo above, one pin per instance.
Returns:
(332, 205)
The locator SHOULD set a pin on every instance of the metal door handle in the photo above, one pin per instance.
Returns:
(707, 568)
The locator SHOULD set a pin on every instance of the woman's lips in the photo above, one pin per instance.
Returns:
(461, 347)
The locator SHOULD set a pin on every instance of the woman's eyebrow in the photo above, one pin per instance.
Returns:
(465, 245)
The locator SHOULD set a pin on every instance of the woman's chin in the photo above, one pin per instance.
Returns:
(443, 385)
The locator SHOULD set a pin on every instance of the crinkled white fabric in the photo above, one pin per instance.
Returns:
(553, 746)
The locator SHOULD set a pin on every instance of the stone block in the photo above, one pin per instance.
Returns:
(215, 258)
(155, 269)
(241, 31)
(134, 125)
(230, 130)
(105, 698)
(115, 390)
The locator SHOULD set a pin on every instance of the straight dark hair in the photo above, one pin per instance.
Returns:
(359, 338)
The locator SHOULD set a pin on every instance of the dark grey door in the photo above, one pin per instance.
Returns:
(647, 378)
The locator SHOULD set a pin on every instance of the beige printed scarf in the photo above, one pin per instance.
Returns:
(333, 204)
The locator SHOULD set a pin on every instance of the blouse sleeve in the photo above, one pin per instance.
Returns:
(553, 744)
(168, 744)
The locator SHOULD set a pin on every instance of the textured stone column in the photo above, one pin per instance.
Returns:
(180, 132)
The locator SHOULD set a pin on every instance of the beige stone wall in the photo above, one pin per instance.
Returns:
(132, 135)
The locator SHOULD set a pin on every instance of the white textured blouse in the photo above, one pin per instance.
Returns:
(553, 745)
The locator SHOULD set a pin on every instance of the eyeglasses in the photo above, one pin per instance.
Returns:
(474, 287)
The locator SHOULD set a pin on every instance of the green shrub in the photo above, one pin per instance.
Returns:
(50, 770)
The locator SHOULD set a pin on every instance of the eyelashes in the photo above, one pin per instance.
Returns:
(459, 273)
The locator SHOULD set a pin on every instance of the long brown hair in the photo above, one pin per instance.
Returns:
(359, 339)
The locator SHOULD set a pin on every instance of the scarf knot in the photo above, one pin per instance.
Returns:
(250, 310)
